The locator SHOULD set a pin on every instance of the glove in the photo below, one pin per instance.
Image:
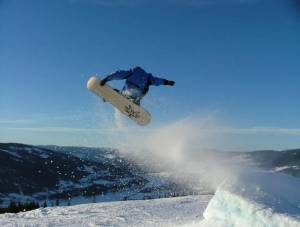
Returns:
(103, 81)
(169, 82)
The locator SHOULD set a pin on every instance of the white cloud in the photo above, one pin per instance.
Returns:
(258, 130)
(56, 129)
(65, 129)
(132, 3)
(20, 121)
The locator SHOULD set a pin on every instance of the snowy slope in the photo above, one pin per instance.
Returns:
(159, 212)
(246, 199)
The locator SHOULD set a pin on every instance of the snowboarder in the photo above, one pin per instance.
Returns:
(137, 82)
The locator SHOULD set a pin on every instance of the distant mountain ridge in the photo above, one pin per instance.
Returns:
(48, 173)
(39, 173)
(286, 161)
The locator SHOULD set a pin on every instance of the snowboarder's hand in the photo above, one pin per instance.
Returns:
(103, 81)
(169, 82)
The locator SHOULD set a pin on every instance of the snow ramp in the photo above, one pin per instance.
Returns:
(255, 199)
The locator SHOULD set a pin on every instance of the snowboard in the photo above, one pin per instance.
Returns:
(133, 111)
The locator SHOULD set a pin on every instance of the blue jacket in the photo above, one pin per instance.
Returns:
(137, 80)
(137, 77)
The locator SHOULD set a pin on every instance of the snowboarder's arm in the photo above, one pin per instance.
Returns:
(160, 81)
(118, 75)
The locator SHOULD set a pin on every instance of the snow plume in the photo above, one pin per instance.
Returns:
(120, 121)
(170, 140)
(170, 146)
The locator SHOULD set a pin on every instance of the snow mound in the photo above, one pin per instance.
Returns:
(255, 199)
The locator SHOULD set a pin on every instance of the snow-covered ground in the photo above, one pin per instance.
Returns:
(249, 198)
(159, 212)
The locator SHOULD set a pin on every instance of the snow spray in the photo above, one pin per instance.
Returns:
(174, 146)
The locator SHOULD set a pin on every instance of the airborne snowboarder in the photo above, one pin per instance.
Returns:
(137, 82)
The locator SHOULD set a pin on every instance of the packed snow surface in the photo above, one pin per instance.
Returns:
(259, 199)
(159, 212)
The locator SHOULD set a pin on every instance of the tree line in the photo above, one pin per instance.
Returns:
(16, 207)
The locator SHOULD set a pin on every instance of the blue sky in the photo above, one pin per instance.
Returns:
(235, 64)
